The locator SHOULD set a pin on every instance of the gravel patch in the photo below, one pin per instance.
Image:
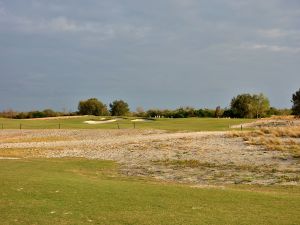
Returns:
(166, 156)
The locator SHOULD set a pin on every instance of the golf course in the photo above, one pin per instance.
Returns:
(130, 171)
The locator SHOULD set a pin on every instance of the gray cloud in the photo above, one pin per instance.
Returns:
(151, 53)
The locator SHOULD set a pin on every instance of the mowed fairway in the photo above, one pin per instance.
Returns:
(78, 191)
(185, 124)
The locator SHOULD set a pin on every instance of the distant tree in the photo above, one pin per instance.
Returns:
(49, 113)
(279, 112)
(228, 113)
(8, 113)
(241, 106)
(180, 113)
(296, 103)
(260, 105)
(249, 106)
(119, 108)
(218, 112)
(140, 111)
(205, 113)
(92, 106)
(154, 113)
(36, 114)
(184, 112)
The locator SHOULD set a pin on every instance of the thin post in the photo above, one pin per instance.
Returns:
(118, 125)
(20, 126)
(134, 125)
(241, 127)
(59, 126)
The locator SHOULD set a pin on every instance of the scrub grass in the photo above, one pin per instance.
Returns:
(79, 191)
(185, 124)
(275, 139)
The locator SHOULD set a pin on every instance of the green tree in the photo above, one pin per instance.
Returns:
(119, 108)
(92, 106)
(241, 106)
(249, 106)
(260, 105)
(49, 113)
(140, 112)
(296, 103)
(218, 112)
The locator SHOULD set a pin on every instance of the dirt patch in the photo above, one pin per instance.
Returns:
(200, 158)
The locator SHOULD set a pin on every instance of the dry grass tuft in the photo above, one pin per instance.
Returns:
(293, 132)
(275, 139)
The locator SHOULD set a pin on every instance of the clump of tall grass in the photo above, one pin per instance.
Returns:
(275, 139)
(293, 132)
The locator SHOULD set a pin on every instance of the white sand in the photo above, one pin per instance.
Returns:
(140, 120)
(99, 122)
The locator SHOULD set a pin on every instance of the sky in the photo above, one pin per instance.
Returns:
(153, 54)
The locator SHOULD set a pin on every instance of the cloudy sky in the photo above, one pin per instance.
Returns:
(159, 53)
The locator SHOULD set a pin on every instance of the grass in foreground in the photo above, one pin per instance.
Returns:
(77, 191)
(188, 124)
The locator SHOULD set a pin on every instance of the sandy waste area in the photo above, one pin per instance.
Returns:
(198, 158)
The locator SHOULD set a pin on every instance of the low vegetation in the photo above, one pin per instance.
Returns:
(278, 139)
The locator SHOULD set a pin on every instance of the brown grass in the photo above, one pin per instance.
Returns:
(20, 152)
(293, 132)
(34, 139)
(275, 139)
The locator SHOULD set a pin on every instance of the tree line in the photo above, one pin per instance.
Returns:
(241, 106)
(10, 113)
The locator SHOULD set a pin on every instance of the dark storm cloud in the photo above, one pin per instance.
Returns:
(151, 53)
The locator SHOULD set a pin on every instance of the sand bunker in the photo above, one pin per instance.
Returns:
(99, 122)
(140, 120)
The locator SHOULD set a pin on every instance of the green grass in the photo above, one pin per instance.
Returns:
(78, 191)
(189, 124)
